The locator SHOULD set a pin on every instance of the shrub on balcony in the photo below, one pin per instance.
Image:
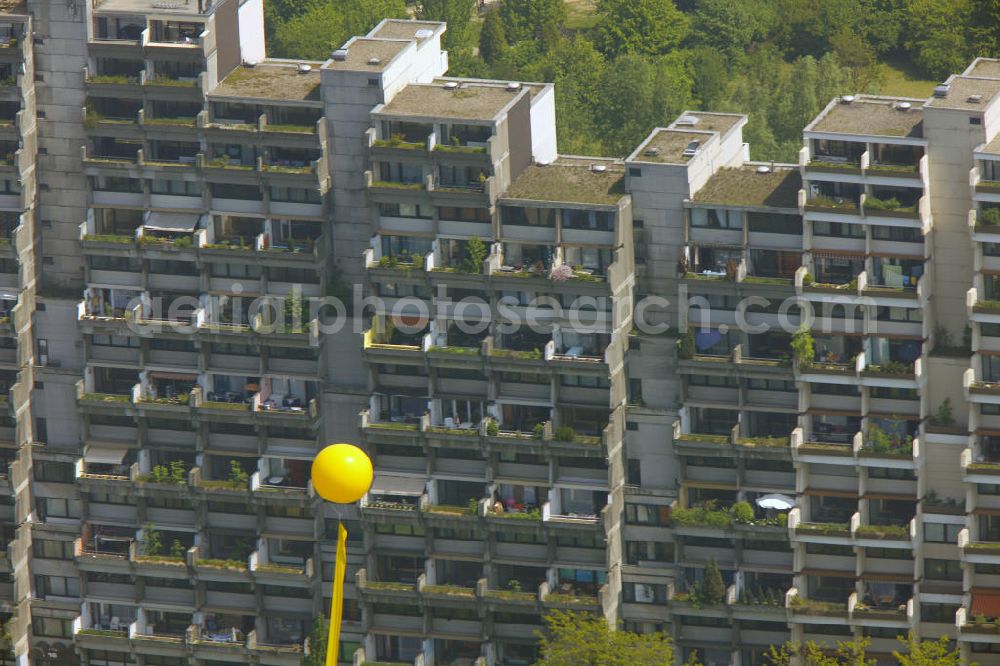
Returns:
(492, 428)
(685, 346)
(804, 346)
(892, 203)
(538, 431)
(990, 216)
(943, 417)
(477, 255)
(742, 512)
(564, 434)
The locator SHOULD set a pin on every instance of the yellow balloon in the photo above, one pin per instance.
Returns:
(342, 473)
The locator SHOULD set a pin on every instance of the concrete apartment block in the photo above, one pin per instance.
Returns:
(169, 196)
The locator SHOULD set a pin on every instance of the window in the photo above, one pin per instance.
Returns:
(838, 229)
(716, 218)
(115, 341)
(51, 626)
(635, 172)
(57, 586)
(176, 187)
(54, 507)
(768, 223)
(941, 532)
(647, 514)
(54, 472)
(975, 120)
(644, 593)
(942, 569)
(106, 658)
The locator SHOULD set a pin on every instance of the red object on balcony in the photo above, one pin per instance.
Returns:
(985, 602)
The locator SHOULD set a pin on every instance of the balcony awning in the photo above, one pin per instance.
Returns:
(104, 455)
(827, 573)
(180, 222)
(829, 492)
(985, 602)
(838, 254)
(178, 376)
(878, 577)
(389, 484)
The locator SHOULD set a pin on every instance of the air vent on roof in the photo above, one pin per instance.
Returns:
(941, 90)
(374, 61)
(249, 64)
(598, 168)
(339, 55)
(692, 149)
(651, 152)
(763, 169)
(423, 33)
(305, 69)
(451, 85)
(974, 99)
(513, 86)
(688, 120)
(904, 106)
(847, 99)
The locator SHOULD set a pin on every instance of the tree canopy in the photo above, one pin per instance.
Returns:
(581, 639)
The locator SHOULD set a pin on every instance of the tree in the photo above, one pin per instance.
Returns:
(311, 35)
(713, 590)
(645, 27)
(711, 80)
(728, 27)
(537, 20)
(477, 255)
(928, 653)
(848, 653)
(492, 38)
(317, 643)
(457, 14)
(152, 544)
(581, 639)
(936, 35)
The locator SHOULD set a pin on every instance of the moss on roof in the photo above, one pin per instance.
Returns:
(745, 187)
(403, 29)
(271, 81)
(962, 88)
(667, 146)
(711, 122)
(987, 68)
(467, 102)
(569, 183)
(873, 117)
(368, 55)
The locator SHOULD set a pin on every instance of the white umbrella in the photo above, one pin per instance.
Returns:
(775, 501)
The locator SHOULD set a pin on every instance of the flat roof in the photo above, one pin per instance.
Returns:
(669, 145)
(993, 147)
(402, 29)
(570, 181)
(709, 122)
(270, 80)
(873, 117)
(368, 55)
(961, 89)
(984, 67)
(466, 102)
(744, 186)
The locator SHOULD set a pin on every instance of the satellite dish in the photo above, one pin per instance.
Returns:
(598, 168)
(304, 68)
(451, 85)
(763, 169)
(847, 99)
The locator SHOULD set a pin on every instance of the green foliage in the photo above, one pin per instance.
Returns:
(742, 512)
(492, 38)
(532, 20)
(730, 28)
(492, 428)
(685, 345)
(457, 14)
(317, 643)
(937, 35)
(944, 415)
(572, 639)
(564, 434)
(237, 476)
(916, 652)
(313, 28)
(927, 652)
(803, 345)
(178, 473)
(989, 216)
(713, 590)
(643, 27)
(177, 548)
(152, 543)
(476, 257)
(538, 431)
